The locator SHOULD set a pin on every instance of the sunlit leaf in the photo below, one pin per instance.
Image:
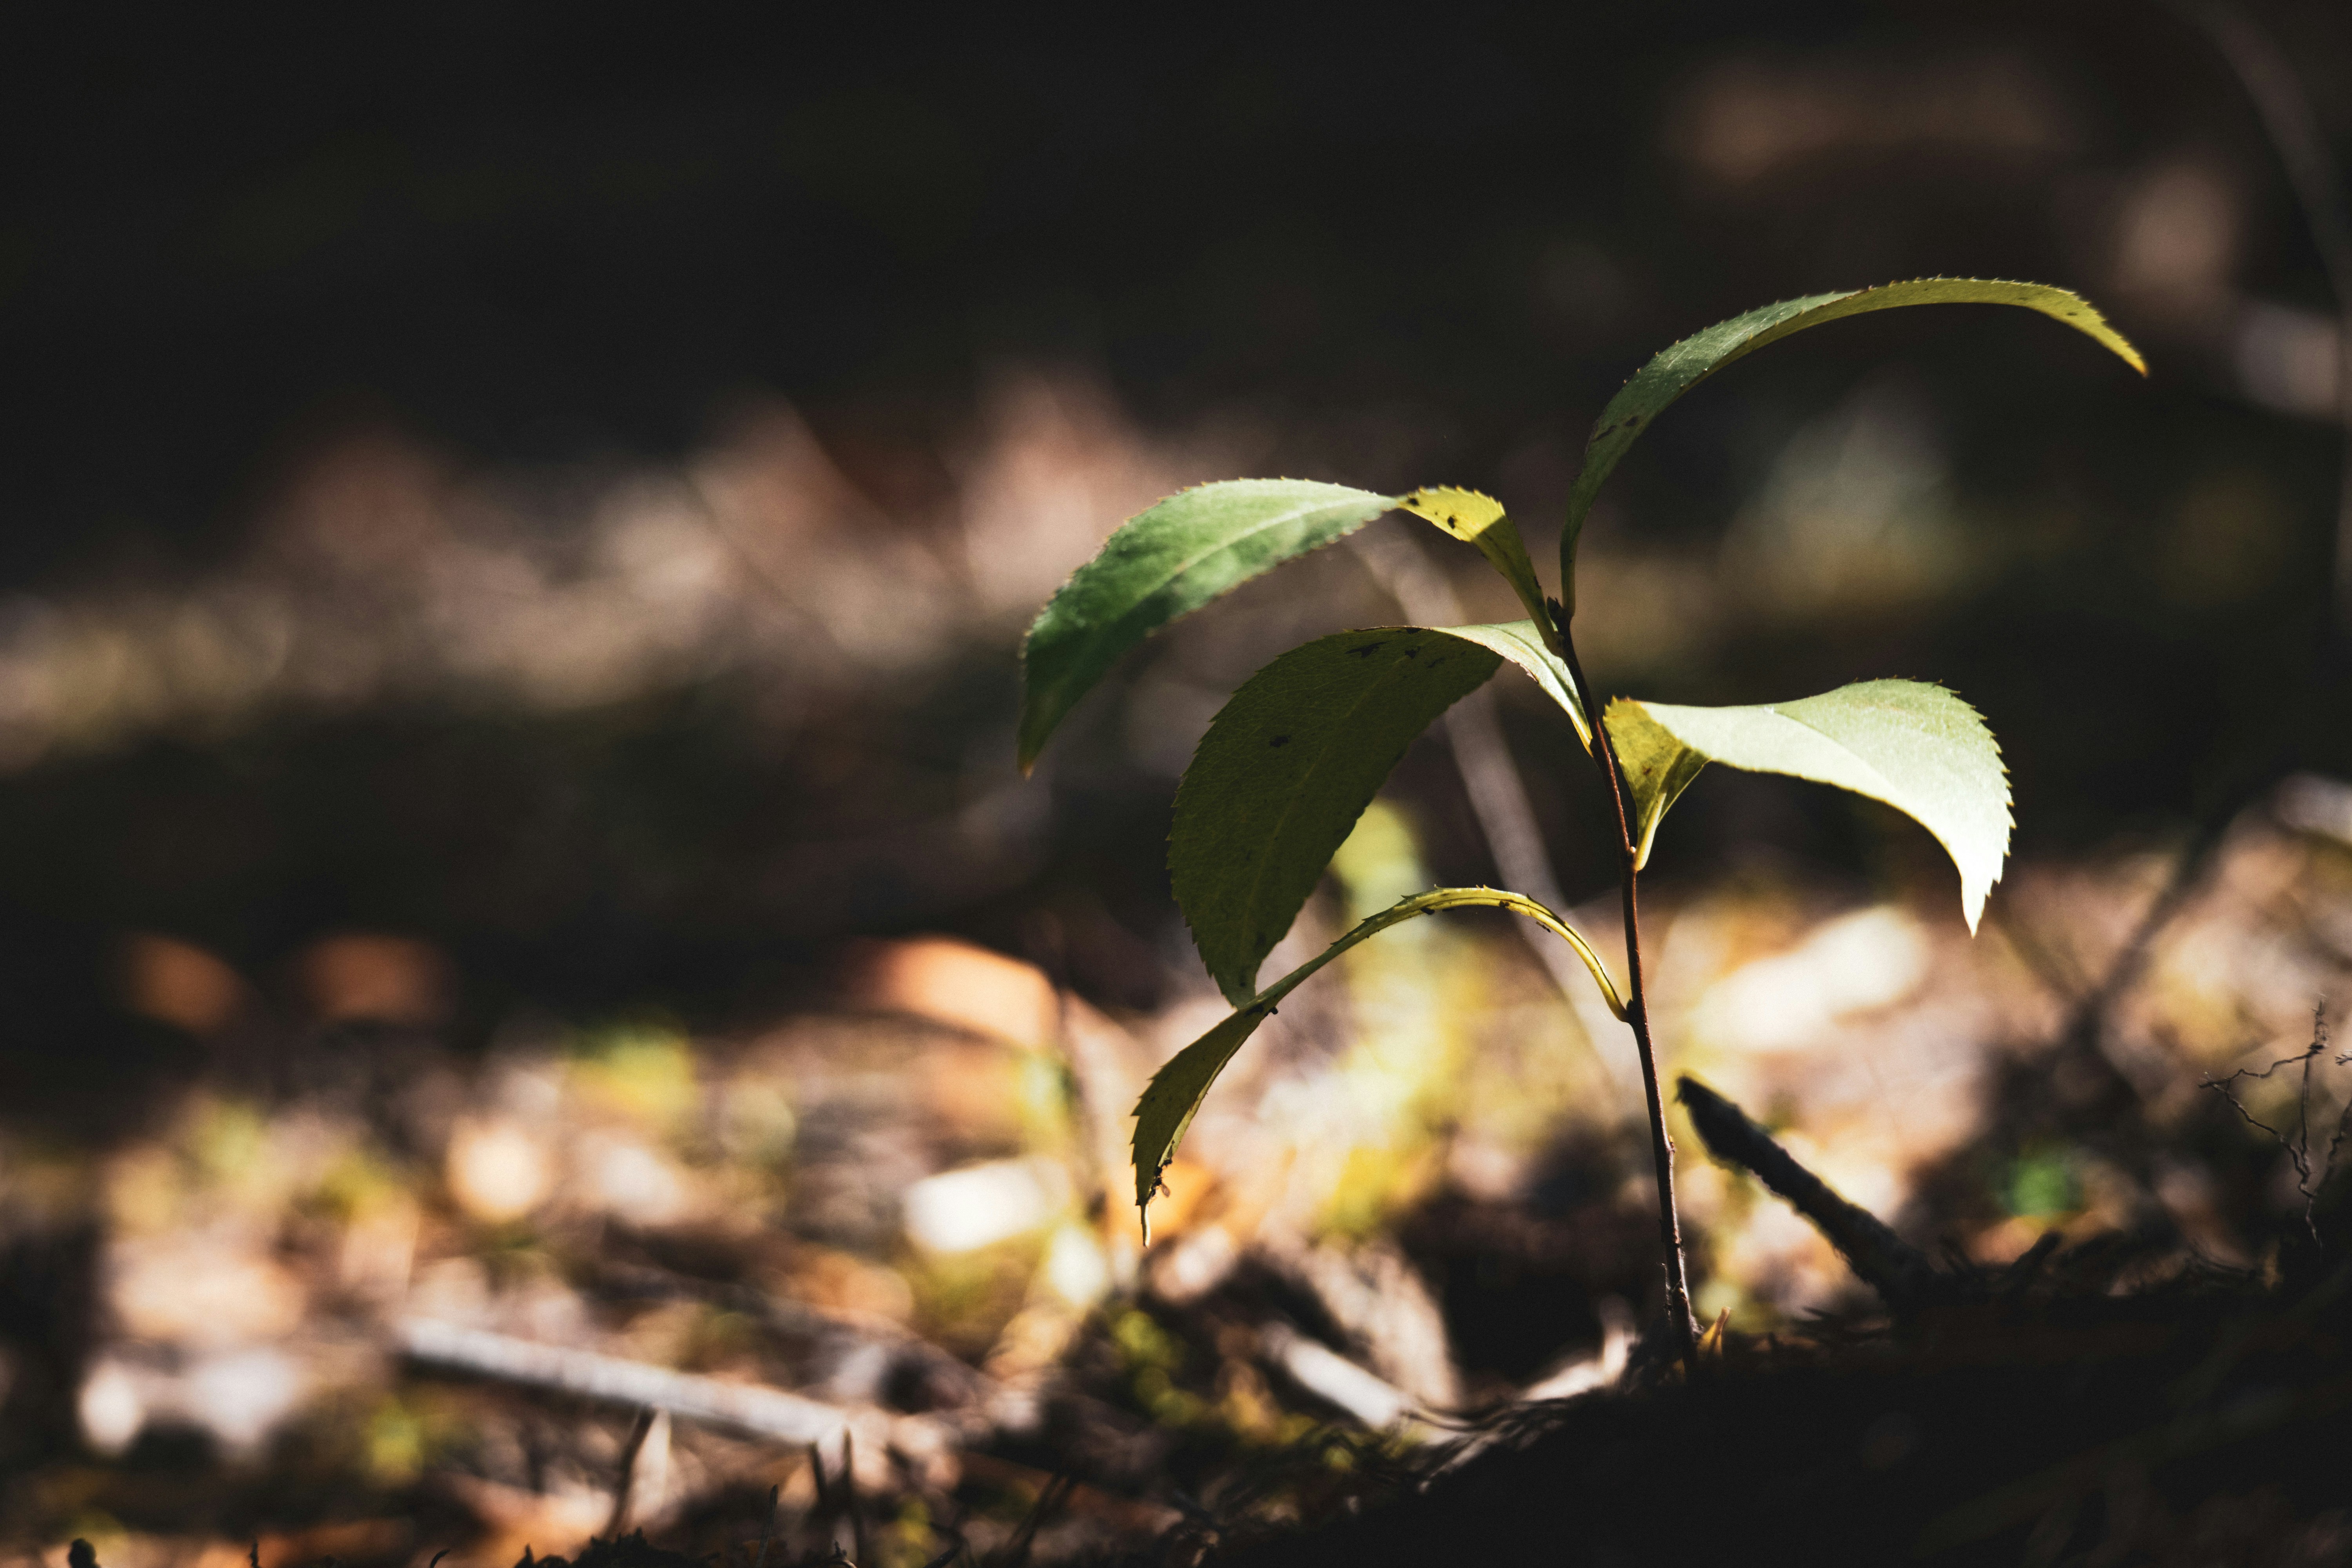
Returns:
(1165, 562)
(1657, 767)
(1479, 520)
(1915, 746)
(1174, 1095)
(1677, 370)
(1286, 769)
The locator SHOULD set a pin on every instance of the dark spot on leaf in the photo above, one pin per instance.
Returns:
(1367, 650)
(1279, 740)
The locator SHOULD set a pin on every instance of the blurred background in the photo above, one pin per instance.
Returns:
(517, 530)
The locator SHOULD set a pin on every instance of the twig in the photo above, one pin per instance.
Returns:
(747, 1407)
(2186, 875)
(2086, 1029)
(768, 1530)
(1332, 1377)
(2064, 981)
(959, 1544)
(1049, 1502)
(849, 1496)
(626, 1481)
(981, 1407)
(1599, 1369)
(1881, 1259)
(2284, 109)
(1374, 1295)
(2298, 1145)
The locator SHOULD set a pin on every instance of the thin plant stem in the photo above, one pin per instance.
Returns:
(1637, 1014)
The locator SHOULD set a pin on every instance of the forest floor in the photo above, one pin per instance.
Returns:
(861, 1277)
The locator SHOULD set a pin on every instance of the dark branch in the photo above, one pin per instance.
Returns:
(1881, 1259)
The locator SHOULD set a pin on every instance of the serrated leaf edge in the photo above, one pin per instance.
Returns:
(1026, 755)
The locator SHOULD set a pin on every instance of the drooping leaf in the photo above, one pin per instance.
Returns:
(1174, 1095)
(1286, 769)
(1677, 370)
(1164, 563)
(1917, 747)
(1479, 520)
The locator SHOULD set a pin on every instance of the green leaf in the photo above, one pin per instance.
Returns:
(1286, 769)
(1165, 562)
(1678, 369)
(1915, 746)
(1174, 1095)
(1479, 520)
(1296, 755)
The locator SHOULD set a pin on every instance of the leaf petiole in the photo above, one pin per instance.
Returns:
(1176, 1090)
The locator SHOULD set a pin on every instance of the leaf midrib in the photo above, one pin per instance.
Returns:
(1777, 711)
(1233, 542)
(1884, 783)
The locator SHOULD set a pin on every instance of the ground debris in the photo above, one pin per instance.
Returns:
(629, 1551)
(1988, 1432)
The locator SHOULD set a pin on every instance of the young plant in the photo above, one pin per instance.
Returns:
(1298, 753)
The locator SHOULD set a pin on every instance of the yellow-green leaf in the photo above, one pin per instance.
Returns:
(1677, 370)
(1174, 1095)
(1657, 766)
(1479, 520)
(1917, 747)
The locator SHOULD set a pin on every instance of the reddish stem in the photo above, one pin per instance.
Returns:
(1637, 1014)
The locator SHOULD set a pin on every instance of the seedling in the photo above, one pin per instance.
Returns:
(1292, 761)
